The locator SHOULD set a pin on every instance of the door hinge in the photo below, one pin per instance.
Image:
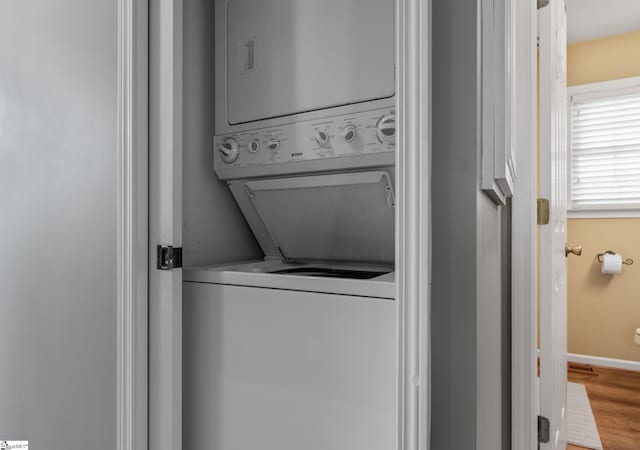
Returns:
(542, 3)
(543, 211)
(169, 257)
(543, 429)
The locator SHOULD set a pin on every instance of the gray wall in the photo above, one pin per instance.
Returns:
(58, 223)
(470, 290)
(214, 229)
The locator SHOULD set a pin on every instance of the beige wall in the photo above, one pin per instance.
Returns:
(604, 310)
(604, 59)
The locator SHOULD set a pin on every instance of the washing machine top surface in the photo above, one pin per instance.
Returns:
(377, 281)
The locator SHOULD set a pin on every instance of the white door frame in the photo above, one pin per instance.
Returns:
(132, 224)
(413, 223)
(524, 263)
(524, 251)
(413, 235)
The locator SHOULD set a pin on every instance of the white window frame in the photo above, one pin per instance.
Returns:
(593, 91)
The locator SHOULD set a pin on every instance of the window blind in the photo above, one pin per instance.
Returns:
(605, 153)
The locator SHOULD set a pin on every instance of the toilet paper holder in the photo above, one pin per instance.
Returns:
(626, 262)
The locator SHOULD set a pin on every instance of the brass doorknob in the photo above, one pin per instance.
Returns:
(576, 250)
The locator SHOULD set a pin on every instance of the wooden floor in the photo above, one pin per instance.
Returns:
(615, 400)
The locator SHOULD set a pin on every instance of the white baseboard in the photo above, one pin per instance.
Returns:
(604, 362)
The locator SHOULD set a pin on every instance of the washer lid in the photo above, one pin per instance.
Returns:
(337, 217)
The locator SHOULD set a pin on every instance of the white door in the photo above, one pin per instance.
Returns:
(553, 186)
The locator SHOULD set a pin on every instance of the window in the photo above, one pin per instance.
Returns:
(605, 147)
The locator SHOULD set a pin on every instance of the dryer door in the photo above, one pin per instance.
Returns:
(338, 217)
(291, 56)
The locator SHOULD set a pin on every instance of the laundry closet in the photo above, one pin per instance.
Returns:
(289, 317)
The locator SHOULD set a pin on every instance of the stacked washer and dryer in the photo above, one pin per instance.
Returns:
(299, 350)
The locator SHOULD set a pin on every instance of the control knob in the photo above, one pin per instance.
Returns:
(350, 133)
(228, 150)
(254, 146)
(273, 145)
(322, 138)
(386, 129)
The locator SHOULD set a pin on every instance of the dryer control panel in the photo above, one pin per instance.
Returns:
(363, 139)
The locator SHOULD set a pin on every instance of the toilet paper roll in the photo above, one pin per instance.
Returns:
(636, 338)
(611, 263)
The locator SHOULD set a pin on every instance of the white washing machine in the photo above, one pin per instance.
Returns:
(287, 369)
(299, 350)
